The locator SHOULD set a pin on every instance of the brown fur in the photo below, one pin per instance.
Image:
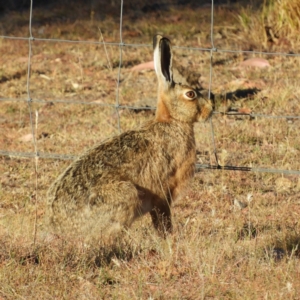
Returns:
(138, 172)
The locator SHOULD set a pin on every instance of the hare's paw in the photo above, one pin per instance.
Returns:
(161, 218)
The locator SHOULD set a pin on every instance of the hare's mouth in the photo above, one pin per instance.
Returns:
(206, 112)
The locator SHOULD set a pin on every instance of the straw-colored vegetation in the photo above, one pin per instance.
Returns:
(277, 21)
(236, 233)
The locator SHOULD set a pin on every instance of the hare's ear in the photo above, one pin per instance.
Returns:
(163, 60)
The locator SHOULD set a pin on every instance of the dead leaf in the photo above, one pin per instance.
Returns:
(244, 110)
(283, 184)
(98, 101)
(26, 138)
(22, 59)
(223, 157)
(75, 85)
(132, 33)
(45, 77)
(298, 185)
(144, 66)
(255, 62)
(162, 267)
(174, 18)
(239, 205)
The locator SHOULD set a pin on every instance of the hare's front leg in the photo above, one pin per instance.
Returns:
(161, 216)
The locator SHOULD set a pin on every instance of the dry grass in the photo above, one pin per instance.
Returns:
(236, 234)
(277, 21)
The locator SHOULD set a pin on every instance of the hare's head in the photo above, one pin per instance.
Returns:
(176, 100)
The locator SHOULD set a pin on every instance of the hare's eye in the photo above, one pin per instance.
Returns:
(190, 94)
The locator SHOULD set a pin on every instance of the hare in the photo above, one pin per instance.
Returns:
(137, 172)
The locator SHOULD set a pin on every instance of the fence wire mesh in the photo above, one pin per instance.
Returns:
(117, 106)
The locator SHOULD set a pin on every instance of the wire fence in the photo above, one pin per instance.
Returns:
(117, 106)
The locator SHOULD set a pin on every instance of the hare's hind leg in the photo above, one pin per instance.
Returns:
(120, 203)
(158, 208)
(161, 216)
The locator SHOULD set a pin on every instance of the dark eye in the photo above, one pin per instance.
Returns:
(190, 94)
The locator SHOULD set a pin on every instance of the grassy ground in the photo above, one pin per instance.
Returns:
(236, 234)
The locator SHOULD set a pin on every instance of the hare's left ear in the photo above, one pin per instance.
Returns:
(163, 60)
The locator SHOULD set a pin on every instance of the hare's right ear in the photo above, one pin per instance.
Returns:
(163, 60)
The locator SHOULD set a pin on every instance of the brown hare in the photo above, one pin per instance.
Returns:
(137, 172)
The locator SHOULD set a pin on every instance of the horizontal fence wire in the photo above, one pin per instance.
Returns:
(198, 167)
(123, 44)
(117, 106)
(132, 107)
